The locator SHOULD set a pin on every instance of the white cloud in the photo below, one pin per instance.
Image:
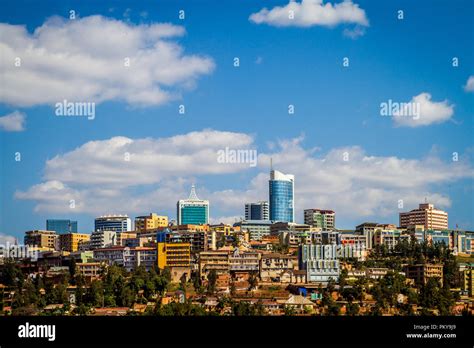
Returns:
(161, 171)
(5, 238)
(309, 13)
(225, 219)
(469, 87)
(83, 60)
(106, 176)
(430, 112)
(104, 162)
(13, 122)
(354, 33)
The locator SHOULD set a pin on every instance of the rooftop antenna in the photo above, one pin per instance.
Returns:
(271, 164)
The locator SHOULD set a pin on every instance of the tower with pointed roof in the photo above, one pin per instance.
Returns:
(193, 211)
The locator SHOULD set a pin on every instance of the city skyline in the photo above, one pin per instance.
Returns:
(291, 100)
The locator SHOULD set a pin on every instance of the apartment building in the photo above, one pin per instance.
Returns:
(426, 215)
(173, 255)
(324, 219)
(246, 261)
(420, 273)
(140, 256)
(71, 241)
(90, 270)
(213, 260)
(41, 239)
(276, 267)
(150, 222)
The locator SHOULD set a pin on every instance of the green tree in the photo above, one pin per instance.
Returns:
(253, 280)
(211, 281)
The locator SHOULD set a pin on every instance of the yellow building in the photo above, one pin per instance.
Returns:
(190, 228)
(150, 222)
(41, 239)
(468, 282)
(70, 241)
(122, 236)
(174, 255)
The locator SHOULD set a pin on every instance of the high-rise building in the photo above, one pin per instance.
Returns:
(427, 215)
(324, 219)
(257, 211)
(281, 192)
(117, 223)
(61, 226)
(150, 222)
(193, 211)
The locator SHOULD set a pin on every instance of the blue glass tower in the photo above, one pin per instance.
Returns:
(61, 226)
(193, 210)
(281, 190)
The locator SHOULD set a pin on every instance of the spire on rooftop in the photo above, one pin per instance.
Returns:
(193, 196)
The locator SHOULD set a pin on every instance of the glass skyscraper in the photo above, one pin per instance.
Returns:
(281, 190)
(61, 226)
(193, 211)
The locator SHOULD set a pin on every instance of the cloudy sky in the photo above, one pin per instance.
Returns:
(145, 62)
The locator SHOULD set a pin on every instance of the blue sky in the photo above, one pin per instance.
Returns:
(337, 110)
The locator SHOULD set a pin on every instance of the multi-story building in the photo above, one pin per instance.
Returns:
(190, 228)
(103, 239)
(257, 229)
(116, 223)
(192, 210)
(445, 237)
(353, 239)
(41, 239)
(129, 258)
(293, 239)
(71, 241)
(277, 267)
(61, 226)
(213, 260)
(420, 273)
(324, 219)
(367, 229)
(281, 196)
(463, 242)
(427, 215)
(277, 227)
(320, 262)
(201, 239)
(140, 256)
(111, 255)
(257, 211)
(246, 261)
(89, 270)
(389, 238)
(224, 229)
(467, 281)
(123, 236)
(150, 222)
(173, 255)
